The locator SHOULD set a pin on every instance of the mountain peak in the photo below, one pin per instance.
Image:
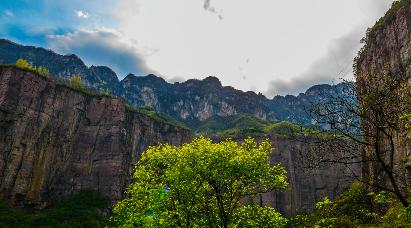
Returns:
(318, 89)
(212, 80)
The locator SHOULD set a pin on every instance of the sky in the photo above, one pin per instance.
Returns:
(269, 46)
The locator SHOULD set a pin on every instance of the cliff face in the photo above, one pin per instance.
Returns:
(309, 182)
(55, 141)
(386, 59)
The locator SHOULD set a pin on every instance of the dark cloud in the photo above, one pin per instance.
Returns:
(102, 48)
(335, 65)
(208, 7)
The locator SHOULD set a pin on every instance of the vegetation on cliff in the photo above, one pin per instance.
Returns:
(76, 83)
(384, 92)
(357, 207)
(201, 184)
(25, 65)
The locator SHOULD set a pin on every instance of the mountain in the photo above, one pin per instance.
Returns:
(56, 141)
(191, 102)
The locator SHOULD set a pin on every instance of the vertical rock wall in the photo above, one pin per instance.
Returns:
(55, 141)
(387, 53)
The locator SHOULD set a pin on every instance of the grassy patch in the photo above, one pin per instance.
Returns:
(244, 125)
(151, 112)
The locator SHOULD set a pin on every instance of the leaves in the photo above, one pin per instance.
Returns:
(199, 184)
(23, 64)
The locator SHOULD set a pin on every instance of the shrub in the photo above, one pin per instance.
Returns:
(24, 64)
(76, 82)
(357, 207)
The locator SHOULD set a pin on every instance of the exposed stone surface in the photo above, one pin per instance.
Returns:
(307, 184)
(388, 52)
(55, 141)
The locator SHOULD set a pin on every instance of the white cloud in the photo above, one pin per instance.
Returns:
(81, 14)
(293, 44)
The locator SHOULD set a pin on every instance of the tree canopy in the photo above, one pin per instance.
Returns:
(202, 184)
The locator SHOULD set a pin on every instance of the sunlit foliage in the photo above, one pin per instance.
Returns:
(201, 184)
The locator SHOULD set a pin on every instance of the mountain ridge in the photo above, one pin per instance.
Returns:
(191, 102)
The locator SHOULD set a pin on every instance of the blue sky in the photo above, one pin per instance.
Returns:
(31, 21)
(44, 22)
(269, 46)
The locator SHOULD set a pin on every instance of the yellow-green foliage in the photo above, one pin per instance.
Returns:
(406, 119)
(200, 184)
(43, 71)
(251, 216)
(76, 82)
(23, 64)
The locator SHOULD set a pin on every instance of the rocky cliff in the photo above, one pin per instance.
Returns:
(309, 181)
(191, 102)
(55, 141)
(384, 62)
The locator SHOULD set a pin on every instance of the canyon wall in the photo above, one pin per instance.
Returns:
(55, 141)
(384, 61)
(309, 180)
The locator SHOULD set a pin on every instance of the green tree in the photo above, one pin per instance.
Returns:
(201, 184)
(373, 119)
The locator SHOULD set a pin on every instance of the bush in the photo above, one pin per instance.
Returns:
(76, 82)
(23, 64)
(357, 207)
